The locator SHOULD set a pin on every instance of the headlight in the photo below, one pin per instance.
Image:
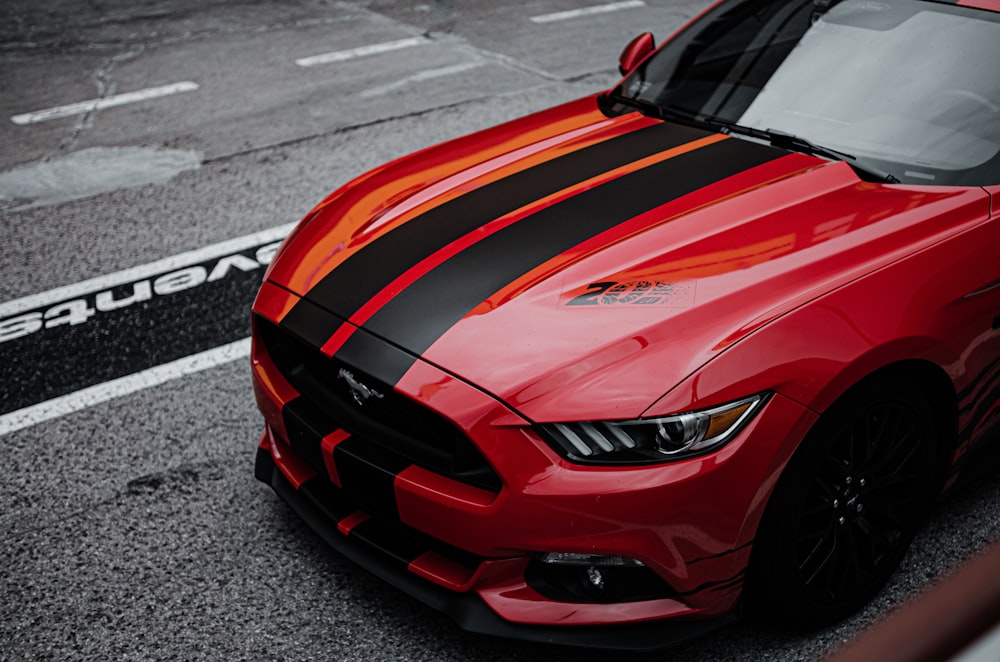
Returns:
(648, 440)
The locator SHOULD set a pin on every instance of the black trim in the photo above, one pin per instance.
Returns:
(467, 610)
(366, 272)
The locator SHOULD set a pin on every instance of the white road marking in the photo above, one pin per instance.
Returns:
(72, 402)
(75, 290)
(587, 11)
(420, 76)
(362, 51)
(106, 102)
(93, 395)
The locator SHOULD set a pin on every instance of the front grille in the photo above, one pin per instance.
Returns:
(382, 537)
(393, 421)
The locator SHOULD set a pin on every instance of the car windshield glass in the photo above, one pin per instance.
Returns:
(905, 86)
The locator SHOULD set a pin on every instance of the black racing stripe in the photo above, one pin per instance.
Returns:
(377, 358)
(406, 544)
(328, 498)
(368, 474)
(385, 536)
(366, 272)
(307, 424)
(311, 323)
(423, 312)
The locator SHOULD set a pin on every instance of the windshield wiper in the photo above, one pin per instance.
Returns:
(666, 113)
(645, 107)
(806, 146)
(775, 137)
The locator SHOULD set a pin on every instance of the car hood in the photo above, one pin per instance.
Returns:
(576, 266)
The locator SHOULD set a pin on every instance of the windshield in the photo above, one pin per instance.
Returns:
(907, 87)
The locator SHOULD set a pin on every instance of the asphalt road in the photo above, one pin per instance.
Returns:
(133, 238)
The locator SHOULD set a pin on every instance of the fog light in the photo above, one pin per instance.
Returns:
(596, 578)
(576, 577)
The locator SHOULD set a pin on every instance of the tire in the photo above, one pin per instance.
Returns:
(846, 507)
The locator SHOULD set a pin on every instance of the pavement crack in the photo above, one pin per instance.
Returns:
(464, 45)
(106, 86)
(223, 158)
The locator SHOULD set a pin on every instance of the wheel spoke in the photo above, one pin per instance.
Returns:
(819, 555)
(898, 488)
(868, 555)
(899, 449)
(818, 508)
(849, 564)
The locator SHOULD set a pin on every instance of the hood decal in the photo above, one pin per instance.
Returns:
(615, 293)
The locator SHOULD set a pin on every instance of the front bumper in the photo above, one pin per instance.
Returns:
(311, 501)
(460, 526)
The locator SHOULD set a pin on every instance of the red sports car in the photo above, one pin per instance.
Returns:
(709, 342)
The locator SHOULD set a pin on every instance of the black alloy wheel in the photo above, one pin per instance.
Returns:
(847, 506)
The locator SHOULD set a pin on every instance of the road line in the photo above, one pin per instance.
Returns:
(362, 51)
(420, 76)
(106, 102)
(133, 274)
(93, 395)
(587, 11)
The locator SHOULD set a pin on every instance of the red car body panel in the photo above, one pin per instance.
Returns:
(991, 5)
(767, 272)
(799, 224)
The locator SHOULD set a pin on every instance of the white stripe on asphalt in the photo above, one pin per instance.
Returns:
(420, 76)
(587, 11)
(361, 51)
(133, 274)
(106, 102)
(93, 395)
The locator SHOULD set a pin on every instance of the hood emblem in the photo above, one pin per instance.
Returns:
(359, 391)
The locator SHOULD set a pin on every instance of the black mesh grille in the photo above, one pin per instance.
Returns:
(387, 418)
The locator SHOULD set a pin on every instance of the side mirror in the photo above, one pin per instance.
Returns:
(636, 52)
